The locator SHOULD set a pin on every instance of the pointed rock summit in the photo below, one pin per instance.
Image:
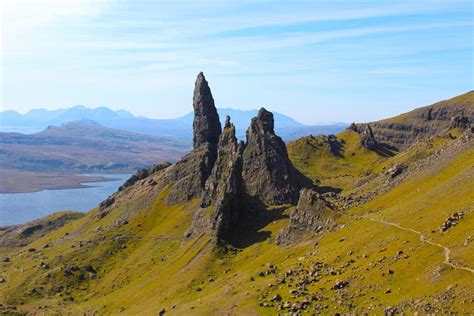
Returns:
(187, 178)
(229, 175)
(206, 126)
(268, 173)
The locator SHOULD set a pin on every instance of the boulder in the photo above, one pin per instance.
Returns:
(311, 215)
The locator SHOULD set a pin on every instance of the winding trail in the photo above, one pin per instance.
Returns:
(447, 251)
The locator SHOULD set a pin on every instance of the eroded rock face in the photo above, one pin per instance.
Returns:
(144, 173)
(460, 121)
(206, 126)
(367, 136)
(220, 204)
(187, 177)
(268, 173)
(311, 215)
(402, 131)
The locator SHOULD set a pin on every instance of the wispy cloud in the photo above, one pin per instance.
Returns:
(111, 51)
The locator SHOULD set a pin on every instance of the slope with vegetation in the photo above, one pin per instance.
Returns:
(381, 238)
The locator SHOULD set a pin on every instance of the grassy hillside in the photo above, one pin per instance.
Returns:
(343, 163)
(388, 253)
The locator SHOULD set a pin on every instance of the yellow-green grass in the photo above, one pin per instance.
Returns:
(159, 269)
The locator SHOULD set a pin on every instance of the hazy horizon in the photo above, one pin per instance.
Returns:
(315, 62)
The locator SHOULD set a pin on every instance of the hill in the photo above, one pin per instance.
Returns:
(52, 158)
(401, 131)
(234, 228)
(85, 148)
(361, 151)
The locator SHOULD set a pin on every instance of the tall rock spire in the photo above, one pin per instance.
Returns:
(188, 176)
(206, 127)
(268, 173)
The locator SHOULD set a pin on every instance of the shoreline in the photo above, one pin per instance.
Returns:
(18, 182)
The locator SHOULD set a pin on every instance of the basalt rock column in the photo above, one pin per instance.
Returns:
(188, 176)
(220, 204)
(206, 126)
(268, 173)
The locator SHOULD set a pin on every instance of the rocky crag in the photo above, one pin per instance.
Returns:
(402, 131)
(312, 215)
(257, 171)
(234, 181)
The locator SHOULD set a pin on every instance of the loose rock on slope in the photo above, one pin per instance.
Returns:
(311, 215)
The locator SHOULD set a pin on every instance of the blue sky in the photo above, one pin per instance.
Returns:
(318, 61)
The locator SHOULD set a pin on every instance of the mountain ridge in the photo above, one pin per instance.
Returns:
(179, 128)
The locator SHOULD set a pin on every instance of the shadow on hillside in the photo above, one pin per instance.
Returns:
(385, 150)
(256, 218)
(327, 189)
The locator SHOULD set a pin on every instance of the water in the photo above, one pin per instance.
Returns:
(19, 208)
(21, 129)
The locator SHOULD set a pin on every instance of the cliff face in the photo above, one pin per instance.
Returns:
(187, 178)
(206, 126)
(268, 173)
(220, 206)
(403, 130)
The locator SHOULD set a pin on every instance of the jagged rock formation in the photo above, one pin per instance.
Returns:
(268, 173)
(188, 177)
(221, 201)
(368, 140)
(144, 173)
(460, 121)
(402, 131)
(257, 170)
(311, 215)
(206, 126)
(367, 136)
(225, 174)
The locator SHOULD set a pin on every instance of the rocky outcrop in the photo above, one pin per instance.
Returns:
(451, 221)
(311, 215)
(144, 173)
(402, 131)
(367, 136)
(24, 234)
(222, 198)
(234, 180)
(268, 173)
(206, 126)
(460, 121)
(187, 177)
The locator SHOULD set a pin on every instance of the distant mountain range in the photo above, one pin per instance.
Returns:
(177, 128)
(85, 147)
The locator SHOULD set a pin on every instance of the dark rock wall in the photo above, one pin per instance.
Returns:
(268, 173)
(206, 126)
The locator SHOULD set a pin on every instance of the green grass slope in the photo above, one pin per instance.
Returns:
(387, 254)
